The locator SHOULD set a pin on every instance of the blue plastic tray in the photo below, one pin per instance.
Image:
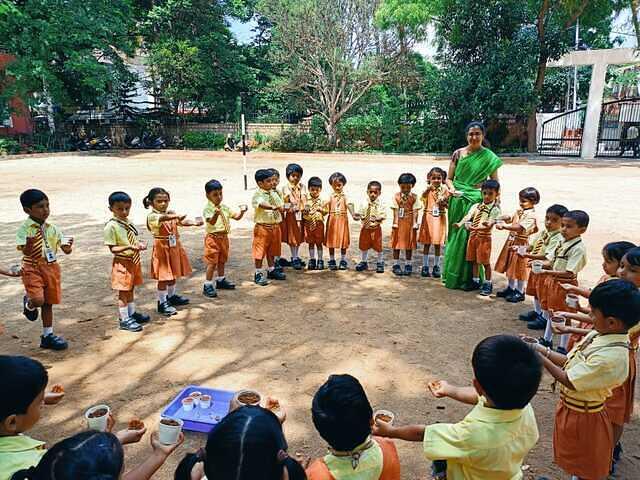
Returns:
(200, 419)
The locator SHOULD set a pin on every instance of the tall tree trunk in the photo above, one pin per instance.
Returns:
(331, 126)
(635, 10)
(532, 123)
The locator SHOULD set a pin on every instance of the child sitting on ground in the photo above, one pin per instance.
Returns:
(372, 213)
(493, 439)
(313, 220)
(433, 229)
(343, 417)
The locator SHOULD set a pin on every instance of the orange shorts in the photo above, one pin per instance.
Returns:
(554, 295)
(216, 249)
(479, 249)
(125, 275)
(314, 236)
(266, 241)
(371, 238)
(42, 280)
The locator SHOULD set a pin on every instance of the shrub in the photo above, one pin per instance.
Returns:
(203, 140)
(9, 146)
(292, 140)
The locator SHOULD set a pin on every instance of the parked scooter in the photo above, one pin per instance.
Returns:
(153, 142)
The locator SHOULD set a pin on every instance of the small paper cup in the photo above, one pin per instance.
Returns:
(572, 300)
(15, 269)
(205, 401)
(530, 341)
(287, 206)
(501, 223)
(238, 401)
(97, 422)
(169, 430)
(557, 319)
(457, 194)
(522, 250)
(187, 404)
(244, 207)
(199, 219)
(142, 245)
(67, 240)
(468, 224)
(536, 266)
(196, 398)
(385, 416)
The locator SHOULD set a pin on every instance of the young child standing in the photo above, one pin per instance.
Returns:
(268, 208)
(39, 242)
(294, 194)
(313, 219)
(280, 263)
(521, 226)
(433, 228)
(337, 232)
(372, 213)
(169, 261)
(216, 243)
(479, 221)
(121, 236)
(405, 206)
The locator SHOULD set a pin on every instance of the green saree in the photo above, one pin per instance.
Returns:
(471, 170)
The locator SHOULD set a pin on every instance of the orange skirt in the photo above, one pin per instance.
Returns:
(293, 235)
(533, 284)
(216, 249)
(510, 263)
(266, 241)
(314, 236)
(620, 405)
(404, 237)
(554, 295)
(168, 263)
(433, 230)
(479, 249)
(125, 275)
(370, 238)
(583, 442)
(337, 232)
(42, 280)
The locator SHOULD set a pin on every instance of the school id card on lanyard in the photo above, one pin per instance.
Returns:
(49, 254)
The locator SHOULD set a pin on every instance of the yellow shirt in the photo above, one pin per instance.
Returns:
(223, 222)
(570, 256)
(492, 214)
(595, 367)
(290, 191)
(29, 229)
(527, 220)
(316, 207)
(269, 217)
(488, 444)
(545, 243)
(19, 452)
(374, 209)
(115, 234)
(417, 205)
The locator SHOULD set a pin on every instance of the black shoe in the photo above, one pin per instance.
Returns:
(209, 291)
(312, 264)
(177, 300)
(505, 293)
(486, 289)
(297, 264)
(436, 272)
(333, 265)
(425, 272)
(380, 267)
(529, 316)
(278, 268)
(617, 452)
(53, 342)
(140, 317)
(540, 323)
(362, 266)
(343, 265)
(260, 279)
(408, 270)
(31, 315)
(283, 262)
(561, 350)
(471, 286)
(515, 297)
(320, 265)
(397, 270)
(225, 284)
(276, 275)
(130, 325)
(166, 309)
(545, 343)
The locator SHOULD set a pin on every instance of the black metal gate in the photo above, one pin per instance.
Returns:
(562, 134)
(619, 129)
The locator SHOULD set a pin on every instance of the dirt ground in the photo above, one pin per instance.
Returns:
(285, 339)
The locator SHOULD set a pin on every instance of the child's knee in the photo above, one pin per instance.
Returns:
(36, 301)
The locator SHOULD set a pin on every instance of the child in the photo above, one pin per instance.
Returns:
(294, 195)
(313, 219)
(216, 242)
(372, 213)
(569, 258)
(433, 228)
(169, 261)
(405, 208)
(343, 417)
(583, 435)
(121, 236)
(541, 247)
(268, 208)
(479, 221)
(280, 263)
(14, 271)
(521, 226)
(39, 242)
(493, 439)
(337, 232)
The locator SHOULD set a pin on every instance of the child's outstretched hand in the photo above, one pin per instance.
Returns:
(54, 396)
(127, 436)
(380, 428)
(568, 287)
(274, 405)
(439, 388)
(164, 450)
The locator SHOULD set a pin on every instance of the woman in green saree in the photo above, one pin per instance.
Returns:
(469, 167)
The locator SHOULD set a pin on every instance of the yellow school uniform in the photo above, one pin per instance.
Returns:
(216, 242)
(266, 217)
(488, 444)
(120, 233)
(18, 452)
(31, 229)
(570, 256)
(126, 271)
(223, 223)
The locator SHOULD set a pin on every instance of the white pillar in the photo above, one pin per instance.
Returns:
(594, 107)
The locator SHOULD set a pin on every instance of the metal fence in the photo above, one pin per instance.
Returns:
(619, 129)
(562, 135)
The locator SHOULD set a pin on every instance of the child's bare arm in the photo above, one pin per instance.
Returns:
(122, 248)
(578, 290)
(145, 470)
(409, 433)
(551, 363)
(441, 388)
(10, 273)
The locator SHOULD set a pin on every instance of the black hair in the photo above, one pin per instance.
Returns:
(616, 250)
(407, 178)
(247, 444)
(476, 124)
(530, 193)
(87, 455)
(342, 413)
(337, 176)
(439, 171)
(619, 299)
(117, 197)
(26, 377)
(274, 172)
(508, 370)
(374, 183)
(153, 193)
(490, 184)
(315, 182)
(633, 256)
(213, 185)
(263, 174)
(293, 168)
(32, 196)
(581, 217)
(557, 209)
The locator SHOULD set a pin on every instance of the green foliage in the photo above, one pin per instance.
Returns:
(9, 146)
(203, 140)
(292, 140)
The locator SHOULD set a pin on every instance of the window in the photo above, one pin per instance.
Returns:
(5, 114)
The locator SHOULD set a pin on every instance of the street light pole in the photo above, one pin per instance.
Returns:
(244, 150)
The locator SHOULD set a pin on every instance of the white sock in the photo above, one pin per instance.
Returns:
(131, 308)
(320, 252)
(312, 252)
(476, 279)
(431, 260)
(271, 269)
(380, 257)
(343, 257)
(512, 284)
(294, 252)
(47, 331)
(437, 261)
(162, 296)
(548, 331)
(365, 255)
(425, 260)
(536, 306)
(219, 279)
(276, 260)
(332, 256)
(564, 340)
(124, 312)
(171, 290)
(208, 283)
(520, 286)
